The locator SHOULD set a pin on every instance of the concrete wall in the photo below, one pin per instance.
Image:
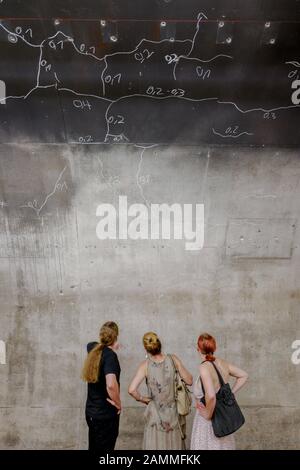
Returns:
(58, 282)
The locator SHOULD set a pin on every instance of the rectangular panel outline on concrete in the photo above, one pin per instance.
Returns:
(259, 222)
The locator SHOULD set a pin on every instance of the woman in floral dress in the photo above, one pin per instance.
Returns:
(164, 428)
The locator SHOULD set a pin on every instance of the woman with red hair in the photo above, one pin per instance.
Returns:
(203, 437)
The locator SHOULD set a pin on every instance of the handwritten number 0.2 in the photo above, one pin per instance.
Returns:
(141, 56)
(85, 140)
(116, 119)
(232, 130)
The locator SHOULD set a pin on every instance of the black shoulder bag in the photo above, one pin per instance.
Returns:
(227, 416)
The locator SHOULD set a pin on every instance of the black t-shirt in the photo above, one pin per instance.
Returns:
(97, 405)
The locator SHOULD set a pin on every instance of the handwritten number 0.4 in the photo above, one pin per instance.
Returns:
(82, 104)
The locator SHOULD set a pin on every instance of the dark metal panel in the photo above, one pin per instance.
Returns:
(152, 9)
(218, 82)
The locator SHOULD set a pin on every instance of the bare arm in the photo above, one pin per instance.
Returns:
(210, 394)
(184, 373)
(113, 391)
(136, 382)
(240, 375)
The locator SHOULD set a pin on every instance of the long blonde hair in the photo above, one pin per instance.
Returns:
(107, 337)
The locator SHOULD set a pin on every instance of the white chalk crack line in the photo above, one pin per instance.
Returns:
(37, 210)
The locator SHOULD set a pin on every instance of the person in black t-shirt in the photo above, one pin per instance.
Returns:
(101, 371)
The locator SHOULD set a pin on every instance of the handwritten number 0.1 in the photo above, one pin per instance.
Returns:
(202, 73)
(19, 30)
(54, 45)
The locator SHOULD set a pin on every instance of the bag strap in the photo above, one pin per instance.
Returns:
(203, 391)
(221, 380)
(173, 362)
(175, 394)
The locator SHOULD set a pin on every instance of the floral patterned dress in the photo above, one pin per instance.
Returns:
(162, 431)
(203, 437)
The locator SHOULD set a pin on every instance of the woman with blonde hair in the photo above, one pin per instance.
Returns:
(207, 385)
(164, 428)
(101, 371)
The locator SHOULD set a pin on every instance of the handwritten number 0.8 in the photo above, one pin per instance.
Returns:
(45, 64)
